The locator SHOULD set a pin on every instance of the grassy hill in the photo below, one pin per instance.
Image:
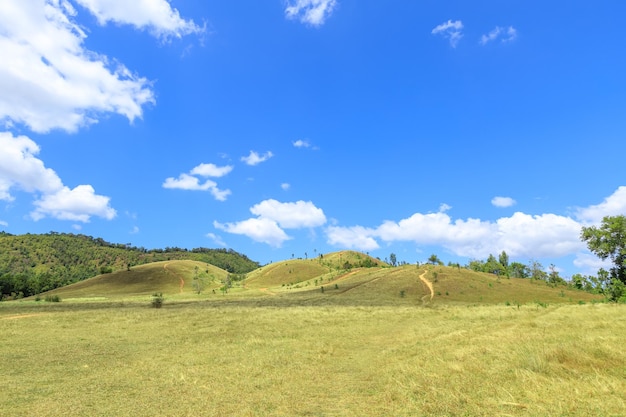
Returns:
(322, 280)
(168, 277)
(31, 264)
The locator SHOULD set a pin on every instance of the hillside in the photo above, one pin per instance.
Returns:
(31, 264)
(168, 277)
(322, 281)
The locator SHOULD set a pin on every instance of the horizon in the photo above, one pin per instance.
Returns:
(287, 128)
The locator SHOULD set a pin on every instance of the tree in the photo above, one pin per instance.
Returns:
(392, 259)
(434, 259)
(608, 241)
(504, 259)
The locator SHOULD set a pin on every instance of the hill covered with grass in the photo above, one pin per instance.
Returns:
(333, 279)
(35, 263)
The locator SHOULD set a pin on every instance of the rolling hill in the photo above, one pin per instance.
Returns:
(333, 278)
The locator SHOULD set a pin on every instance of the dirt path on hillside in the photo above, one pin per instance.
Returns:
(22, 316)
(267, 291)
(182, 281)
(428, 284)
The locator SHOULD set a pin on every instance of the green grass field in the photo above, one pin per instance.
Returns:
(372, 343)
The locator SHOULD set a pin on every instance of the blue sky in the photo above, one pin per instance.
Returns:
(308, 126)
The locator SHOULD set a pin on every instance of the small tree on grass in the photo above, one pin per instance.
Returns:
(157, 300)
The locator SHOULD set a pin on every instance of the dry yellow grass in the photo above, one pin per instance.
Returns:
(229, 358)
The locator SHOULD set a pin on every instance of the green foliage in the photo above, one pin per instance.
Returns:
(434, 260)
(608, 241)
(32, 264)
(157, 300)
(52, 298)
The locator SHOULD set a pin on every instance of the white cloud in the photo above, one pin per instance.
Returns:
(216, 239)
(504, 34)
(312, 12)
(19, 168)
(503, 201)
(258, 229)
(357, 237)
(155, 15)
(191, 183)
(450, 30)
(301, 143)
(272, 217)
(77, 204)
(520, 235)
(589, 264)
(49, 80)
(254, 158)
(134, 230)
(285, 186)
(3, 223)
(290, 215)
(613, 205)
(211, 170)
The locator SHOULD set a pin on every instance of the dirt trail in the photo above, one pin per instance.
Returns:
(182, 281)
(22, 316)
(428, 284)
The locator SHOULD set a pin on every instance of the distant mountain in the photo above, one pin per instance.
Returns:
(35, 263)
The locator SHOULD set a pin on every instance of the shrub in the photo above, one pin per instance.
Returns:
(53, 298)
(402, 293)
(157, 300)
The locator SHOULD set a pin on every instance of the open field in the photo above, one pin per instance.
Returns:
(230, 356)
(313, 337)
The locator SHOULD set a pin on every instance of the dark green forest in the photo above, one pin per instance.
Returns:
(34, 263)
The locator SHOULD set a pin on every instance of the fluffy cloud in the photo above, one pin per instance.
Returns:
(357, 237)
(21, 169)
(450, 30)
(156, 15)
(258, 229)
(521, 235)
(503, 201)
(290, 215)
(192, 183)
(53, 81)
(274, 216)
(77, 204)
(504, 34)
(312, 12)
(301, 143)
(254, 158)
(613, 205)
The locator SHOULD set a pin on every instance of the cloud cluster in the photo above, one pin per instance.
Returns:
(50, 80)
(504, 34)
(453, 31)
(191, 181)
(255, 158)
(503, 201)
(311, 12)
(521, 235)
(450, 30)
(272, 218)
(157, 16)
(21, 169)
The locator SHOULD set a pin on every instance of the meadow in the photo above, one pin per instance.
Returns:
(357, 349)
